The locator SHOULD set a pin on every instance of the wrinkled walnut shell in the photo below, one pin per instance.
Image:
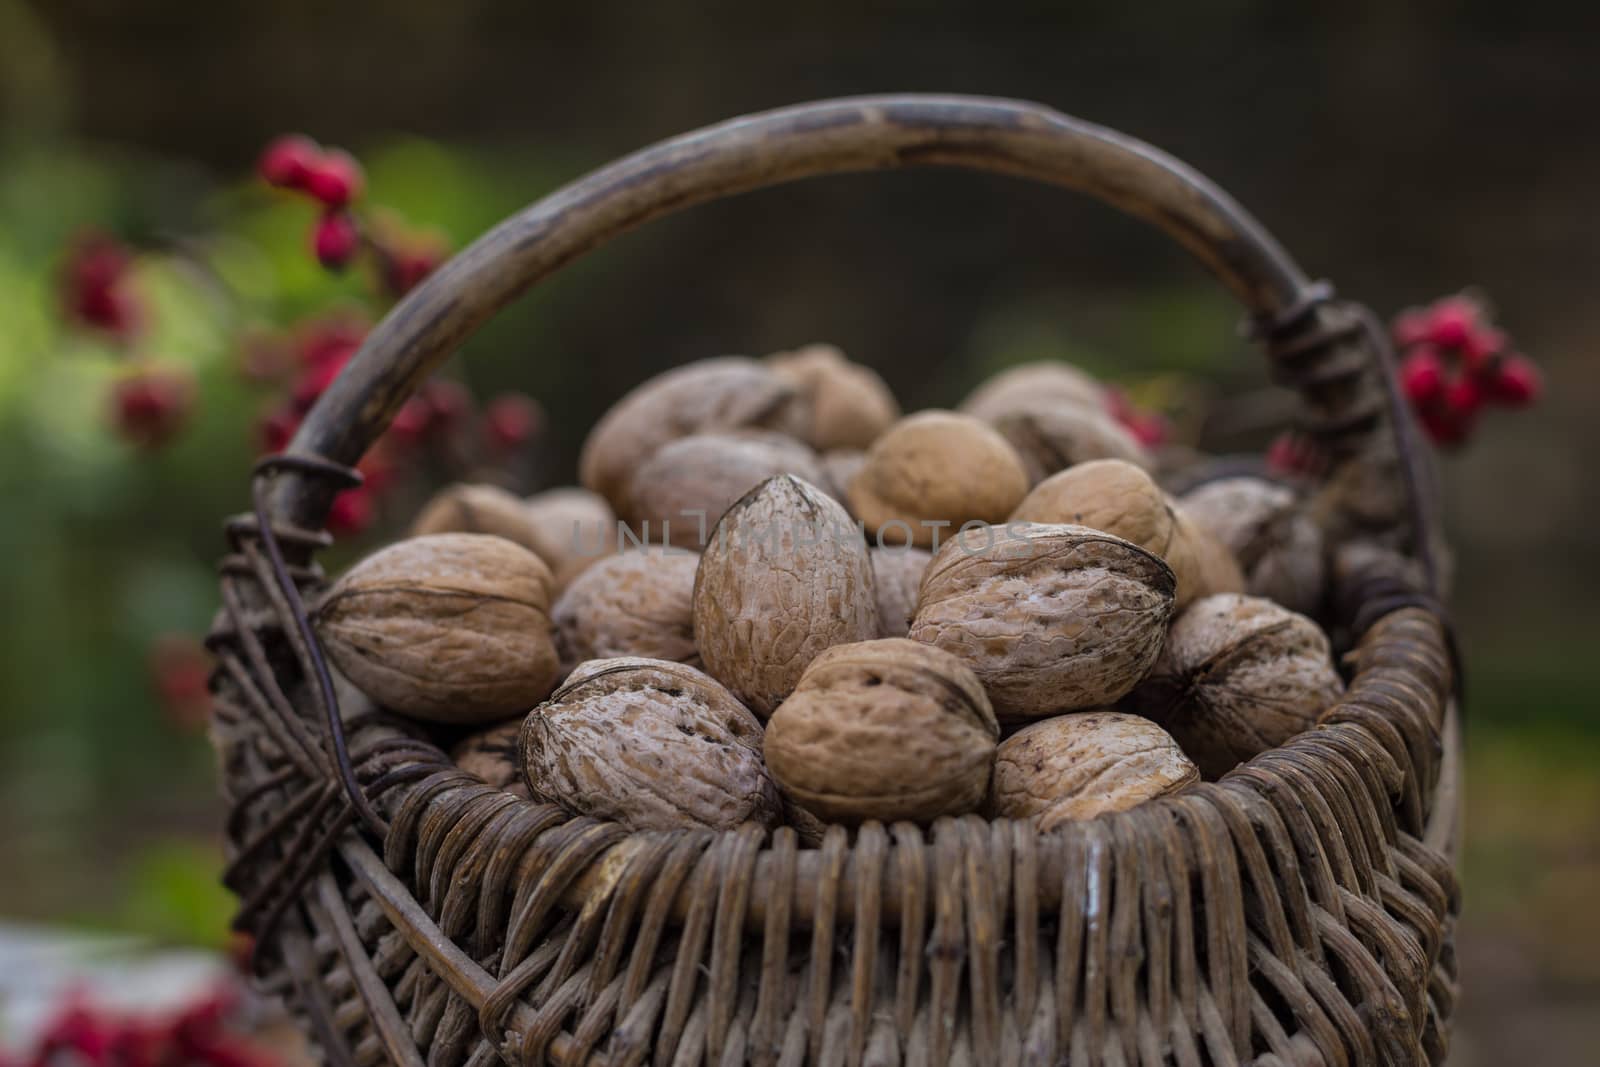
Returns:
(727, 393)
(897, 573)
(845, 404)
(450, 628)
(680, 492)
(572, 529)
(1079, 766)
(1055, 438)
(636, 603)
(650, 744)
(1051, 618)
(786, 575)
(1238, 675)
(1120, 498)
(1277, 544)
(884, 730)
(1035, 386)
(480, 509)
(933, 472)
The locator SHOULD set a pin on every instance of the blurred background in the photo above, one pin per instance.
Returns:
(1405, 151)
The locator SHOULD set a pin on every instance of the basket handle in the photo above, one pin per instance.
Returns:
(825, 137)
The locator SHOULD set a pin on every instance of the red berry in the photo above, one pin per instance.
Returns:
(1422, 374)
(1412, 327)
(331, 339)
(1294, 454)
(315, 381)
(334, 179)
(276, 429)
(336, 239)
(449, 400)
(1149, 428)
(511, 420)
(287, 161)
(150, 406)
(1515, 382)
(1446, 426)
(352, 512)
(1463, 396)
(180, 671)
(412, 423)
(1452, 321)
(94, 289)
(1482, 345)
(1117, 404)
(378, 469)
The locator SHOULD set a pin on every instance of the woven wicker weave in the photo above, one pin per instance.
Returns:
(1298, 912)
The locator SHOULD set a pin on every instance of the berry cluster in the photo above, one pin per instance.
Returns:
(95, 287)
(1456, 364)
(199, 1035)
(441, 422)
(334, 180)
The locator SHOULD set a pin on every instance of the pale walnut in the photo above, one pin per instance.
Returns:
(1238, 675)
(1033, 387)
(1051, 618)
(932, 473)
(846, 404)
(650, 744)
(572, 529)
(1054, 438)
(785, 576)
(1075, 767)
(1122, 499)
(480, 509)
(680, 492)
(897, 572)
(1276, 542)
(451, 628)
(726, 393)
(636, 603)
(884, 730)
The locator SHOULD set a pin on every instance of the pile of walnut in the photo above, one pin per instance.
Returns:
(777, 600)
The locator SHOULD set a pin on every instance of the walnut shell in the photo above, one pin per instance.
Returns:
(572, 529)
(846, 405)
(1121, 499)
(480, 509)
(1238, 675)
(897, 573)
(1051, 618)
(450, 628)
(1277, 544)
(884, 730)
(785, 576)
(1055, 438)
(492, 755)
(933, 472)
(636, 603)
(680, 492)
(650, 744)
(1033, 387)
(1078, 766)
(727, 393)
(840, 465)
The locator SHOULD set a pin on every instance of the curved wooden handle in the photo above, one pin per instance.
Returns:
(826, 137)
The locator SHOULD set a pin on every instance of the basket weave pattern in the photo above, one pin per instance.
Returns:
(1299, 912)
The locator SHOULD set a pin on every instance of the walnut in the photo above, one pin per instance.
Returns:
(897, 572)
(727, 393)
(1055, 438)
(650, 744)
(1276, 542)
(1238, 675)
(1051, 618)
(1078, 766)
(1033, 387)
(636, 603)
(480, 509)
(450, 628)
(785, 576)
(492, 755)
(1121, 499)
(572, 529)
(930, 474)
(840, 465)
(680, 492)
(846, 405)
(884, 730)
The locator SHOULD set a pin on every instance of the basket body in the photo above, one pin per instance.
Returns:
(1300, 911)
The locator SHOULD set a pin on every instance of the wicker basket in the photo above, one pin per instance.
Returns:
(1300, 911)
